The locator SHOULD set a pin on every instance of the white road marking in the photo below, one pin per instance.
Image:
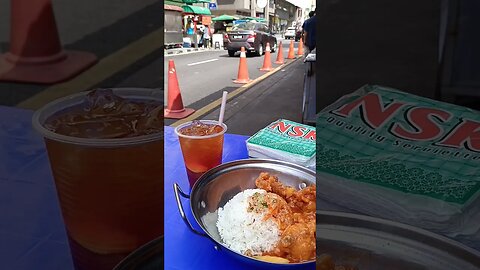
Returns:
(203, 62)
(178, 53)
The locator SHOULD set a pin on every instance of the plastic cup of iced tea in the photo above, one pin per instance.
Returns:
(106, 156)
(202, 146)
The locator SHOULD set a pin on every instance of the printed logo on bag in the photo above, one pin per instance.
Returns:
(420, 123)
(383, 137)
(292, 130)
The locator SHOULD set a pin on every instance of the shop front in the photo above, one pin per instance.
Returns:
(196, 19)
(223, 23)
(173, 26)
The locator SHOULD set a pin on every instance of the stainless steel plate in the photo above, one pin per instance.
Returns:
(376, 244)
(220, 184)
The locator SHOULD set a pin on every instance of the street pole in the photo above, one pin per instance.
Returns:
(253, 6)
(267, 13)
(274, 15)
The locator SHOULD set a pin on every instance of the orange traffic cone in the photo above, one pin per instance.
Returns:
(291, 52)
(175, 107)
(267, 62)
(35, 54)
(300, 48)
(242, 76)
(280, 59)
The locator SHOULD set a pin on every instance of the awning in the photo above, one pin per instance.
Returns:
(178, 3)
(225, 17)
(173, 8)
(196, 10)
(195, 1)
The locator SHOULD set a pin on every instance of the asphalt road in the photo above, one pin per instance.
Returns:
(201, 74)
(103, 28)
(77, 19)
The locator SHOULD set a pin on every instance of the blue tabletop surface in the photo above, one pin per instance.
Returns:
(184, 249)
(32, 235)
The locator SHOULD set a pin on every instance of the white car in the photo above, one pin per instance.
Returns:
(290, 33)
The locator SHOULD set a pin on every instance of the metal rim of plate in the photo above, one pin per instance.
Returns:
(148, 257)
(295, 171)
(396, 242)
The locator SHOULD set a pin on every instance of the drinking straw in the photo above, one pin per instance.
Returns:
(222, 108)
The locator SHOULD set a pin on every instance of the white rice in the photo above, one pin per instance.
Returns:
(241, 230)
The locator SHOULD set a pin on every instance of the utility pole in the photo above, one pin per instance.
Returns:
(267, 13)
(253, 7)
(274, 15)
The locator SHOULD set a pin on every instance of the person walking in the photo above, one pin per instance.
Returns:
(309, 29)
(206, 37)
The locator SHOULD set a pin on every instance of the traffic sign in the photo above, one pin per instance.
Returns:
(212, 5)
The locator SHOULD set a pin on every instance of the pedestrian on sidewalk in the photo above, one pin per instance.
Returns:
(190, 30)
(309, 29)
(206, 37)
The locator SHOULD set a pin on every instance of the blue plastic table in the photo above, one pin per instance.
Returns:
(32, 236)
(184, 249)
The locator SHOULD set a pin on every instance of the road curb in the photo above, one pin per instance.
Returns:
(215, 104)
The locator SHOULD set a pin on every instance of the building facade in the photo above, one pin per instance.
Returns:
(281, 13)
(310, 7)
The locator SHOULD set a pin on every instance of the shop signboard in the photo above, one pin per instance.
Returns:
(206, 20)
(212, 6)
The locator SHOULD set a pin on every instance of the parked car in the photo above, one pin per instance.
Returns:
(251, 35)
(290, 33)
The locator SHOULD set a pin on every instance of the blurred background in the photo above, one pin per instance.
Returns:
(430, 48)
(125, 36)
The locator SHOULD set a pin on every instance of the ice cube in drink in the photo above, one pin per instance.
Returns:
(104, 115)
(198, 128)
(202, 146)
(106, 154)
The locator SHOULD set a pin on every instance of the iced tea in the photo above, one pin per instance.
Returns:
(202, 146)
(106, 155)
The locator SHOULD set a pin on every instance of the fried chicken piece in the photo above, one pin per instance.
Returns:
(271, 184)
(274, 205)
(297, 240)
(303, 200)
(297, 243)
(300, 201)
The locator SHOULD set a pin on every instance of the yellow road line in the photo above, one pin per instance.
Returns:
(105, 68)
(214, 104)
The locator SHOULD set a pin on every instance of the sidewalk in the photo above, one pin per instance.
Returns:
(278, 96)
